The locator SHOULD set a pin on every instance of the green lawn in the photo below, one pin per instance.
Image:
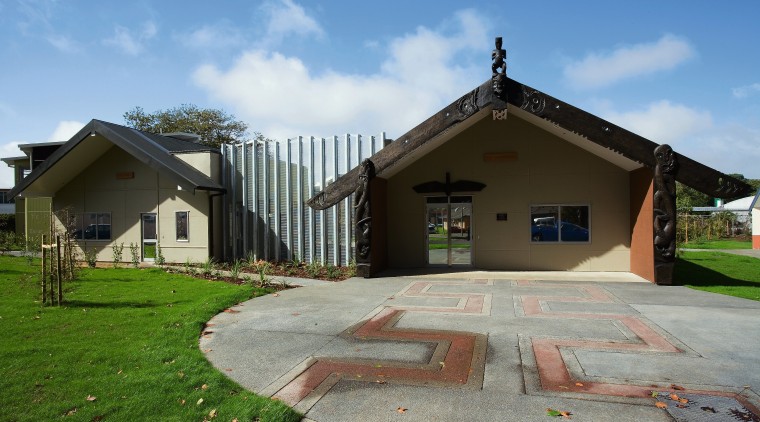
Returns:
(719, 272)
(719, 244)
(124, 347)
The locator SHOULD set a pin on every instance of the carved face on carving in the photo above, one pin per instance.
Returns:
(666, 158)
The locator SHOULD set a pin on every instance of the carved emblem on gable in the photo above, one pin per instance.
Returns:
(533, 101)
(468, 105)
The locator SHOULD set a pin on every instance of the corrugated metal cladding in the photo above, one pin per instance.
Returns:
(268, 183)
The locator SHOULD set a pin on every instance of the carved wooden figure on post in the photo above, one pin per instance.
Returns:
(363, 219)
(664, 213)
(499, 81)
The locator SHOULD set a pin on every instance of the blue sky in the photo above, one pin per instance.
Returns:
(685, 73)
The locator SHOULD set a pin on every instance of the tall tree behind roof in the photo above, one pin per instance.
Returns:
(214, 126)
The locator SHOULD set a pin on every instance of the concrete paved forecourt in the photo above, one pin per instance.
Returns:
(495, 346)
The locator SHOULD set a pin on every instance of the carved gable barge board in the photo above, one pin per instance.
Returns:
(593, 128)
(446, 119)
(622, 141)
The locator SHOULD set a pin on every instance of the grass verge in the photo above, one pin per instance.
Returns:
(719, 272)
(124, 347)
(719, 244)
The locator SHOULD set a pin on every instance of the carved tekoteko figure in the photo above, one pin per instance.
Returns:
(664, 213)
(363, 218)
(499, 69)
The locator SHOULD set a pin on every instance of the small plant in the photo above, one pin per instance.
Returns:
(352, 268)
(250, 258)
(235, 269)
(263, 267)
(91, 257)
(135, 254)
(160, 260)
(117, 251)
(248, 280)
(188, 265)
(313, 269)
(208, 266)
(333, 272)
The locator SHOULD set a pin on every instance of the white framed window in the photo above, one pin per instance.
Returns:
(560, 223)
(93, 226)
(182, 223)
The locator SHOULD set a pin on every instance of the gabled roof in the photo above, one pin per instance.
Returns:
(605, 139)
(156, 151)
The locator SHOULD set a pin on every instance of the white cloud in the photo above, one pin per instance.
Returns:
(220, 35)
(6, 173)
(38, 18)
(286, 17)
(663, 122)
(65, 130)
(602, 69)
(129, 43)
(733, 148)
(726, 147)
(746, 91)
(280, 96)
(63, 43)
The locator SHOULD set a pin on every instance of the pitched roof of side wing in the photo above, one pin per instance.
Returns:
(156, 151)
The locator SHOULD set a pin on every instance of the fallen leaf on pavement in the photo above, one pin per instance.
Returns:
(661, 405)
(401, 410)
(275, 294)
(684, 401)
(231, 311)
(676, 387)
(579, 384)
(674, 396)
(708, 409)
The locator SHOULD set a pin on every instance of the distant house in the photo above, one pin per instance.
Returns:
(6, 203)
(118, 185)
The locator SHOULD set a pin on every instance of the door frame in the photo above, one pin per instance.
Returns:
(146, 241)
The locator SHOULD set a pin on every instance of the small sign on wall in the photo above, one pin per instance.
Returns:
(502, 216)
(125, 175)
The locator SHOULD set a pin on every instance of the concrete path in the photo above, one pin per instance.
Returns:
(486, 346)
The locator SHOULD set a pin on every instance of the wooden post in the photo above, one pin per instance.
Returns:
(58, 275)
(44, 271)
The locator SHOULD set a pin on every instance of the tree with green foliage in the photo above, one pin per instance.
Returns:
(214, 126)
(687, 198)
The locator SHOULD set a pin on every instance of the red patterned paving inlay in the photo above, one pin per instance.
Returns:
(469, 303)
(458, 359)
(552, 370)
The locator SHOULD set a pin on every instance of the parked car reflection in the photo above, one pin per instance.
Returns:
(548, 232)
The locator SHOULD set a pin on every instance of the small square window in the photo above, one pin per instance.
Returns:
(182, 225)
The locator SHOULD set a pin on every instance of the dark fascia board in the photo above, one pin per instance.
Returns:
(135, 143)
(26, 147)
(11, 161)
(571, 118)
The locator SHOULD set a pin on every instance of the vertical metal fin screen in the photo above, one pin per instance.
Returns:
(268, 184)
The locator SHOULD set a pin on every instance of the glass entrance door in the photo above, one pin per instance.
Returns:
(448, 221)
(149, 231)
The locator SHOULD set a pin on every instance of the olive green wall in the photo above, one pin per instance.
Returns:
(97, 189)
(547, 170)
